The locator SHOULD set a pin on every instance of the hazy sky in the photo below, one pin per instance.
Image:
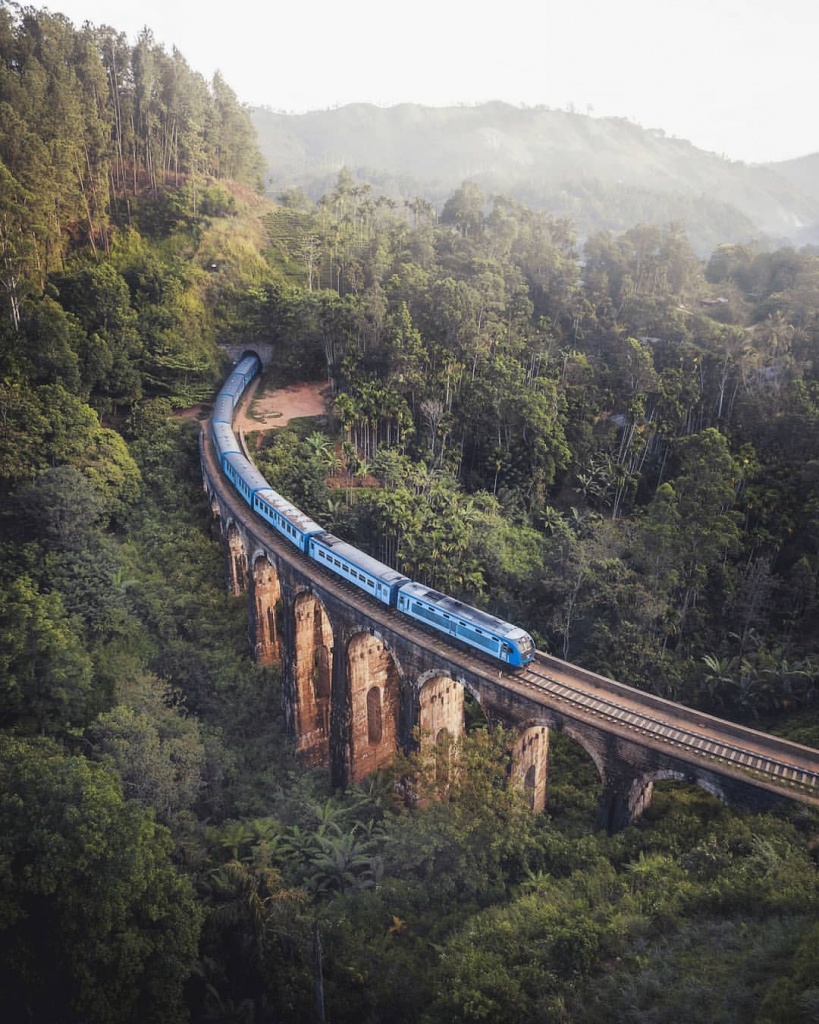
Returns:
(739, 77)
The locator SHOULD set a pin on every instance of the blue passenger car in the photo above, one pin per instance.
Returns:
(224, 440)
(485, 632)
(363, 571)
(241, 375)
(223, 408)
(244, 476)
(290, 521)
(233, 388)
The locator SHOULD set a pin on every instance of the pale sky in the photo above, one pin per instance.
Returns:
(737, 77)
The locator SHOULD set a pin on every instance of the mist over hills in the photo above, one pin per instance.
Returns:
(602, 172)
(802, 173)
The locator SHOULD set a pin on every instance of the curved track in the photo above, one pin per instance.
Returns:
(578, 693)
(666, 724)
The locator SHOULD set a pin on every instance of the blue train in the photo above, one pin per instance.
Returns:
(501, 640)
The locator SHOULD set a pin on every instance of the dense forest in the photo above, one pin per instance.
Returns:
(613, 443)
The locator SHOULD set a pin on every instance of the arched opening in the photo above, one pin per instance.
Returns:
(575, 785)
(666, 792)
(529, 781)
(215, 517)
(474, 714)
(374, 701)
(375, 729)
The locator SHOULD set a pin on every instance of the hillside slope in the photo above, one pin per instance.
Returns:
(604, 172)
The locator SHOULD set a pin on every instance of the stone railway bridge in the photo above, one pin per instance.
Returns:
(361, 681)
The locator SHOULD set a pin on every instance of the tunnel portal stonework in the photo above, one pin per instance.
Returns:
(360, 681)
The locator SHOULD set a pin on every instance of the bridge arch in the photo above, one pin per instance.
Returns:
(621, 754)
(642, 787)
(313, 643)
(373, 681)
(590, 744)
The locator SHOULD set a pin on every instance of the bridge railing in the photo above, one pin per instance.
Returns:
(669, 708)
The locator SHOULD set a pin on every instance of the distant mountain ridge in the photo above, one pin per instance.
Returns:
(802, 173)
(604, 172)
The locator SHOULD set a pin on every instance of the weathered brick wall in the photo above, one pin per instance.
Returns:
(236, 561)
(265, 609)
(440, 706)
(372, 680)
(529, 765)
(312, 669)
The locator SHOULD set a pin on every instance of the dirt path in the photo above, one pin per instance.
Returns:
(276, 408)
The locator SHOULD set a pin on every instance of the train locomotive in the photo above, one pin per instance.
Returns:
(501, 640)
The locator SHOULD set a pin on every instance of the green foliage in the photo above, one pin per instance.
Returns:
(586, 440)
(155, 749)
(95, 924)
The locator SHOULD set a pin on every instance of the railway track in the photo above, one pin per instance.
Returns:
(800, 771)
(577, 692)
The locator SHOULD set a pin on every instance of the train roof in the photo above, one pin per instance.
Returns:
(247, 471)
(233, 386)
(223, 409)
(465, 611)
(293, 515)
(385, 573)
(251, 360)
(226, 440)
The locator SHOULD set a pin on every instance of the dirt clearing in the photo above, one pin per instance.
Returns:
(276, 408)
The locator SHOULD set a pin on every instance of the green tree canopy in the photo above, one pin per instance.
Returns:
(95, 922)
